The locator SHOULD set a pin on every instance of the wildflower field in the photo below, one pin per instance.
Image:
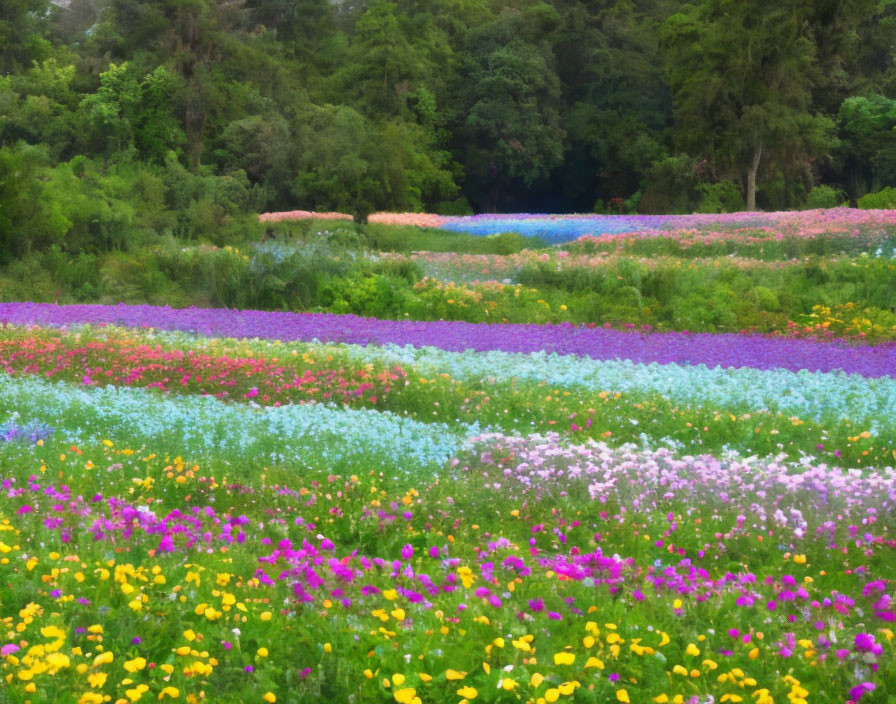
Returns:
(232, 505)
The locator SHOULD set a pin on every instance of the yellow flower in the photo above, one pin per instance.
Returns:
(266, 615)
(537, 679)
(172, 692)
(552, 695)
(564, 658)
(692, 650)
(57, 661)
(328, 648)
(594, 662)
(398, 679)
(91, 698)
(567, 688)
(189, 635)
(56, 633)
(508, 684)
(270, 697)
(454, 675)
(262, 652)
(622, 696)
(661, 699)
(97, 680)
(135, 665)
(103, 658)
(405, 696)
(137, 692)
(468, 692)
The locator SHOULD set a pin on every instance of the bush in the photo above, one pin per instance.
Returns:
(721, 197)
(825, 197)
(882, 200)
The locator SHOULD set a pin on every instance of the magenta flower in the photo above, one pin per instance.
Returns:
(858, 691)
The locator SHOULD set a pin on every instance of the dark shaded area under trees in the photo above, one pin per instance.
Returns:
(122, 119)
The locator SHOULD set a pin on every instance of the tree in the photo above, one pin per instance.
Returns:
(617, 105)
(22, 30)
(512, 129)
(740, 74)
(132, 115)
(868, 149)
(27, 218)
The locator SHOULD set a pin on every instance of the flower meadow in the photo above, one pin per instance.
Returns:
(698, 227)
(233, 505)
(824, 275)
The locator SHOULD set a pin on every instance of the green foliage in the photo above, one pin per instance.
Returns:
(22, 33)
(27, 219)
(825, 197)
(762, 118)
(512, 127)
(671, 186)
(868, 151)
(194, 115)
(721, 197)
(884, 199)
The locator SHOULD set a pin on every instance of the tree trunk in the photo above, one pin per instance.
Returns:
(751, 177)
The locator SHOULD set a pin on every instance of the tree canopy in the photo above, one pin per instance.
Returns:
(210, 108)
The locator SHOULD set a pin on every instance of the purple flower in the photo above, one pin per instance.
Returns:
(859, 690)
(725, 350)
(865, 643)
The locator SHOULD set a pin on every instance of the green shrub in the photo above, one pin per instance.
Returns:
(882, 200)
(721, 197)
(766, 299)
(825, 197)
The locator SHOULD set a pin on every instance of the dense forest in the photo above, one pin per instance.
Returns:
(173, 116)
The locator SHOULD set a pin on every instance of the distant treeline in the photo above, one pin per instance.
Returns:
(125, 118)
